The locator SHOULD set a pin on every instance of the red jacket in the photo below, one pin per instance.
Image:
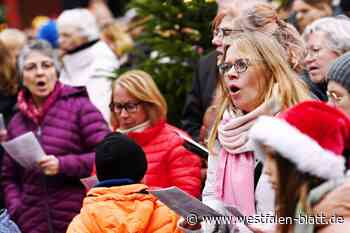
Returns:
(169, 163)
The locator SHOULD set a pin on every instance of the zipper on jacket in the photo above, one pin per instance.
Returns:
(46, 190)
(38, 131)
(48, 215)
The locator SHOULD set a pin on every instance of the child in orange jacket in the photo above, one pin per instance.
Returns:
(119, 203)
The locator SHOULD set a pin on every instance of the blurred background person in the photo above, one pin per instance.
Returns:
(307, 11)
(9, 85)
(100, 10)
(14, 40)
(338, 83)
(204, 83)
(46, 197)
(120, 42)
(37, 22)
(140, 110)
(263, 17)
(49, 32)
(87, 61)
(326, 39)
(338, 88)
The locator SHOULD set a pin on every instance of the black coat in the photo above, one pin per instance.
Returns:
(319, 91)
(7, 106)
(201, 95)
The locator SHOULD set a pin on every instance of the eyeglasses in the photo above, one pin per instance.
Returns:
(222, 32)
(118, 107)
(334, 96)
(45, 65)
(313, 52)
(240, 65)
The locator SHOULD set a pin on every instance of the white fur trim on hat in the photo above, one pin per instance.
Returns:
(82, 19)
(300, 149)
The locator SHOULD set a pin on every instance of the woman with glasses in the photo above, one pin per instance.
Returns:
(256, 80)
(139, 110)
(338, 79)
(47, 195)
(326, 39)
(262, 17)
(204, 85)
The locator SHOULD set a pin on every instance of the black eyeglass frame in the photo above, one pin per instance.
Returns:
(129, 107)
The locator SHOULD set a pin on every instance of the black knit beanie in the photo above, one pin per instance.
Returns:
(117, 156)
(339, 71)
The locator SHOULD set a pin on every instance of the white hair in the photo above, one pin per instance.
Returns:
(336, 29)
(40, 46)
(82, 19)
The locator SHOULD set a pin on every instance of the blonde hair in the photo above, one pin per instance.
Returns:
(263, 17)
(13, 38)
(116, 35)
(141, 86)
(291, 89)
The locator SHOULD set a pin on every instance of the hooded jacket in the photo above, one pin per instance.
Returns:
(123, 209)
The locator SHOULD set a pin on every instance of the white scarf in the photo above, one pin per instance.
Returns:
(138, 128)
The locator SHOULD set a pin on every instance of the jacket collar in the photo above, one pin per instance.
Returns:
(144, 137)
(114, 182)
(82, 47)
(71, 91)
(121, 191)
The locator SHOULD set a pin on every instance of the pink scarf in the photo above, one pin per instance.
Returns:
(26, 104)
(235, 174)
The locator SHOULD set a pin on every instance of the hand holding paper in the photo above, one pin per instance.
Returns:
(49, 165)
(25, 149)
(3, 135)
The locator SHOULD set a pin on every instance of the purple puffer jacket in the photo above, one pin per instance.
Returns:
(70, 130)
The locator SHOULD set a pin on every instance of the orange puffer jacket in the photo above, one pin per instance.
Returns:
(123, 209)
(169, 162)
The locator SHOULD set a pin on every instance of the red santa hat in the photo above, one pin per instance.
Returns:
(312, 135)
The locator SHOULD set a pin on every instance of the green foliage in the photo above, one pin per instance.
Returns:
(2, 14)
(177, 32)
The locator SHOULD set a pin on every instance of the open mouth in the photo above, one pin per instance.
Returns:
(234, 89)
(41, 83)
(313, 68)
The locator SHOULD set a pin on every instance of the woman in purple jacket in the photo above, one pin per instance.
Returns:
(68, 126)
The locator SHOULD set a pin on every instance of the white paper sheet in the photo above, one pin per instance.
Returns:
(25, 149)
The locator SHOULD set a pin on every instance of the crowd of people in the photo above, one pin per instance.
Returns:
(271, 103)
